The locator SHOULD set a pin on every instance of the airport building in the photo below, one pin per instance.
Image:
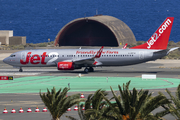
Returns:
(99, 30)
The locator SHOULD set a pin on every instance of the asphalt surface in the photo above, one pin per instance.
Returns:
(32, 100)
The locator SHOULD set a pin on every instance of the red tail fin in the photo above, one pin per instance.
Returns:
(159, 40)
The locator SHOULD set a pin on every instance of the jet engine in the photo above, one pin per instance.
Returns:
(65, 66)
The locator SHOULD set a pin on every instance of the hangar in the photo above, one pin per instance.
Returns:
(100, 30)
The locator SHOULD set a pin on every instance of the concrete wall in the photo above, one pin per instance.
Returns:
(100, 30)
(17, 40)
(7, 38)
(3, 40)
(5, 34)
(8, 33)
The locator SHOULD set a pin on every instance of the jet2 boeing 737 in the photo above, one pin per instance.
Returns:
(71, 59)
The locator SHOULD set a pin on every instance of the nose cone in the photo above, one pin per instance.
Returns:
(5, 60)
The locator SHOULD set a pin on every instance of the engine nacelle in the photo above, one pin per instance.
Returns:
(65, 66)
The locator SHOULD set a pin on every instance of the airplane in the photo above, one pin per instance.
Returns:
(71, 59)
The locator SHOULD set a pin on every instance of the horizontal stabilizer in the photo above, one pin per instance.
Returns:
(172, 49)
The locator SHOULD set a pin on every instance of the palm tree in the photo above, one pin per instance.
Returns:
(94, 107)
(134, 105)
(174, 108)
(96, 102)
(58, 102)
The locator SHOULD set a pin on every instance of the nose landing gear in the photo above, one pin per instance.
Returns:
(20, 70)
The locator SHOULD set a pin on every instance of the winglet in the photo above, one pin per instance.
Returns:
(124, 47)
(98, 55)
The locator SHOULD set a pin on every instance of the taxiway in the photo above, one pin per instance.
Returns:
(162, 68)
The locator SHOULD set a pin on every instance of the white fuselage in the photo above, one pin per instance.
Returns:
(109, 57)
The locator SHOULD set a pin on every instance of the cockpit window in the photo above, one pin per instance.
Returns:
(12, 55)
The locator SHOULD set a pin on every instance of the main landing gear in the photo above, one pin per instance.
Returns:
(20, 70)
(90, 69)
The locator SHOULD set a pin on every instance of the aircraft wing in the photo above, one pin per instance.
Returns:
(90, 61)
(84, 61)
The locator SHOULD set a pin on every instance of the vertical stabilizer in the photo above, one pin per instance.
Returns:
(159, 40)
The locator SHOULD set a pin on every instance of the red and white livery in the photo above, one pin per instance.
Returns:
(71, 59)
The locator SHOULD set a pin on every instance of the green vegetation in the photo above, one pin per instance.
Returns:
(58, 102)
(128, 105)
(174, 108)
(45, 44)
(17, 47)
(135, 105)
(94, 107)
(176, 53)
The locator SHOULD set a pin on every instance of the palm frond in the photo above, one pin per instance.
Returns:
(153, 104)
(57, 102)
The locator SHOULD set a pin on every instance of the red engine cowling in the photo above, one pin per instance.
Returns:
(65, 66)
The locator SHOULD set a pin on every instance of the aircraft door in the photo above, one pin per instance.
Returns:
(23, 56)
(75, 57)
(141, 55)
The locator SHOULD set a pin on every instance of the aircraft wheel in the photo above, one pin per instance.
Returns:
(20, 70)
(86, 70)
(91, 69)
